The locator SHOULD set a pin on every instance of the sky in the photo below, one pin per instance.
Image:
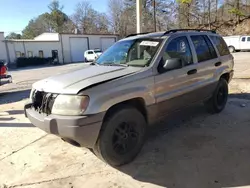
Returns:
(15, 14)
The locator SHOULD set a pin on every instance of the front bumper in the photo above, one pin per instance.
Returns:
(4, 79)
(83, 130)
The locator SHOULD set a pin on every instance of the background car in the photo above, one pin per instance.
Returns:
(91, 55)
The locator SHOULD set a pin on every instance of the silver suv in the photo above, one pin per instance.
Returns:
(108, 105)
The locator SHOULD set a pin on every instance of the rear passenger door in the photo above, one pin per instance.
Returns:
(173, 88)
(226, 58)
(208, 62)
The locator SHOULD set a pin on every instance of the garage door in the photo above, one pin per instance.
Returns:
(77, 48)
(107, 42)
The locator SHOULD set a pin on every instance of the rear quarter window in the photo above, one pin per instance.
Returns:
(220, 45)
(203, 47)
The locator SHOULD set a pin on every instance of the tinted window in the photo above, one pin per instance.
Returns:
(179, 48)
(220, 45)
(243, 39)
(90, 52)
(203, 48)
(248, 39)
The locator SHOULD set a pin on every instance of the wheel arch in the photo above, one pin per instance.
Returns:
(138, 103)
(226, 76)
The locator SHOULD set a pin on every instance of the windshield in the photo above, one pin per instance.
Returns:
(137, 52)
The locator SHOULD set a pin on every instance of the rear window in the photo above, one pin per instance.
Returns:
(97, 51)
(220, 45)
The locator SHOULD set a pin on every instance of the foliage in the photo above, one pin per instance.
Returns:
(54, 21)
(236, 12)
(13, 35)
(121, 16)
(88, 20)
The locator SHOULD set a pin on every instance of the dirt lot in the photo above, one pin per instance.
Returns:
(189, 149)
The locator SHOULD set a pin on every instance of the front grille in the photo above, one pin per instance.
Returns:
(43, 102)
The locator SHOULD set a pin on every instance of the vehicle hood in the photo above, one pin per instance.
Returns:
(73, 82)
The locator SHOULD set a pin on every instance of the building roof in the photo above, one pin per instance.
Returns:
(52, 37)
(89, 34)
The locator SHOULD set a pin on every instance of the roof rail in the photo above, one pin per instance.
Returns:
(131, 35)
(198, 30)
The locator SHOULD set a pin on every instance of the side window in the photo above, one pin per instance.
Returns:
(179, 48)
(248, 39)
(40, 53)
(30, 54)
(220, 45)
(203, 48)
(18, 54)
(243, 39)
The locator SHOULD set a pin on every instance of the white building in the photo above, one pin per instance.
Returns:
(3, 53)
(69, 47)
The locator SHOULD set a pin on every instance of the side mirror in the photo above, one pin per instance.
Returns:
(173, 63)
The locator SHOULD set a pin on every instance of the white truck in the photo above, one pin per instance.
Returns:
(237, 42)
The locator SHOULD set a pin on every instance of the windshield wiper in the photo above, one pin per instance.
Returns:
(115, 64)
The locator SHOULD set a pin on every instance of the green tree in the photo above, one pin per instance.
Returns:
(57, 17)
(37, 26)
(13, 35)
(53, 21)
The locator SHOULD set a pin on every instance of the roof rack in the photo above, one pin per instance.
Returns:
(198, 30)
(135, 34)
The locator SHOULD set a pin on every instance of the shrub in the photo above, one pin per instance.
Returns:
(32, 61)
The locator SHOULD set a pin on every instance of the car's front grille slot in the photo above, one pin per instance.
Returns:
(43, 102)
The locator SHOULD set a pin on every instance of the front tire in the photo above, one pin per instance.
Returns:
(122, 137)
(218, 101)
(231, 49)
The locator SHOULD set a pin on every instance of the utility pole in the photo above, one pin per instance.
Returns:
(154, 6)
(138, 16)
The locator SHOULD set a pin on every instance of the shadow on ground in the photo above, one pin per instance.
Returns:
(16, 125)
(194, 149)
(15, 112)
(6, 119)
(13, 96)
(240, 95)
(13, 69)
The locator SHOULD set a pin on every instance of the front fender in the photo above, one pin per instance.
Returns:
(105, 101)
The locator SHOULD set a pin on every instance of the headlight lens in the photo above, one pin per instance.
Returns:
(71, 105)
(31, 93)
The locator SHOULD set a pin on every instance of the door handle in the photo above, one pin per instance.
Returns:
(193, 71)
(217, 64)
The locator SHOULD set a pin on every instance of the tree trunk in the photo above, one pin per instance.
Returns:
(209, 14)
(216, 10)
(238, 9)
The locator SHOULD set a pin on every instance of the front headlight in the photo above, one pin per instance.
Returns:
(71, 105)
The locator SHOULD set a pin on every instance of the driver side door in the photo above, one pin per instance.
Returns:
(173, 88)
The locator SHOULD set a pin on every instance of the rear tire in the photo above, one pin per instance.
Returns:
(219, 99)
(231, 49)
(121, 137)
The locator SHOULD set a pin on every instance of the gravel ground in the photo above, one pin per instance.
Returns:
(189, 149)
